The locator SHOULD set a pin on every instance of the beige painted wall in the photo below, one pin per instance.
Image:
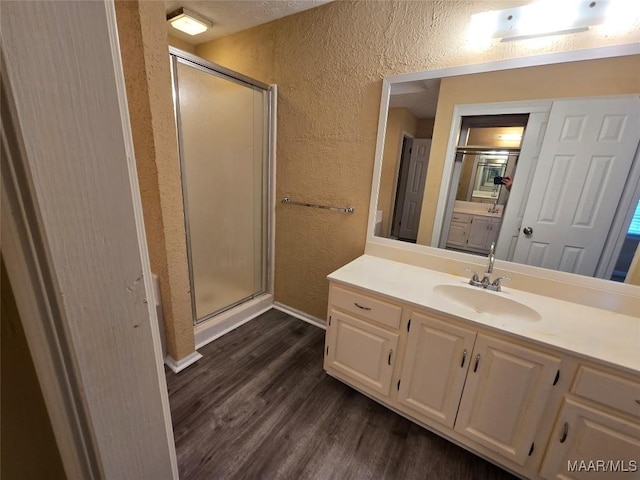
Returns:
(181, 44)
(610, 76)
(143, 46)
(29, 450)
(328, 63)
(399, 122)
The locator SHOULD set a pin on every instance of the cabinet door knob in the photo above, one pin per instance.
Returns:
(389, 358)
(360, 306)
(475, 367)
(565, 432)
(464, 357)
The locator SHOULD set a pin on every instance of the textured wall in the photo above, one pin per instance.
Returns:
(328, 63)
(577, 79)
(143, 46)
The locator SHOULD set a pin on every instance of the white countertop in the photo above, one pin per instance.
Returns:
(587, 332)
(474, 208)
(475, 211)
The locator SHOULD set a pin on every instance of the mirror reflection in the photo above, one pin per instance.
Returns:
(527, 158)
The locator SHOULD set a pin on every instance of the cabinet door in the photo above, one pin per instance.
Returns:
(457, 234)
(505, 395)
(479, 233)
(587, 443)
(435, 366)
(361, 351)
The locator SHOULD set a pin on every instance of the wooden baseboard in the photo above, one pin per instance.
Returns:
(208, 331)
(300, 315)
(179, 365)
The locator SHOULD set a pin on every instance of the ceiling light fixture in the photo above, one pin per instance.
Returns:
(546, 17)
(188, 21)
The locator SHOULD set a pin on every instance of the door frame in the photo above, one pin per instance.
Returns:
(451, 172)
(615, 239)
(402, 157)
(71, 328)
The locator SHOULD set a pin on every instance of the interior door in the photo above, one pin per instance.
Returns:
(584, 163)
(517, 200)
(414, 192)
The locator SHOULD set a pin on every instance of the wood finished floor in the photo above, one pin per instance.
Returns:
(260, 406)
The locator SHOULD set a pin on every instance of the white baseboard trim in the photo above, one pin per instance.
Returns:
(305, 317)
(178, 366)
(208, 331)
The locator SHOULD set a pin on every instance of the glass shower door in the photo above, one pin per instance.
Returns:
(223, 138)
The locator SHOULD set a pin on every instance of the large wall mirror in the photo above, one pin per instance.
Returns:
(537, 156)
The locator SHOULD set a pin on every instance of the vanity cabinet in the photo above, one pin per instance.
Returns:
(485, 388)
(499, 390)
(484, 231)
(597, 433)
(362, 347)
(532, 393)
(435, 367)
(459, 230)
(473, 232)
(505, 396)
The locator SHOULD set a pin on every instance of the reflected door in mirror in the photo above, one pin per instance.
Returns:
(585, 161)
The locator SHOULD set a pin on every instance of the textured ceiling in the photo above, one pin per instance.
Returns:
(230, 16)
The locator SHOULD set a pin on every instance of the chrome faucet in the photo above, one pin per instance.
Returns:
(486, 279)
(492, 259)
(494, 208)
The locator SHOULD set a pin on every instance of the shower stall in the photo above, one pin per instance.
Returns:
(224, 126)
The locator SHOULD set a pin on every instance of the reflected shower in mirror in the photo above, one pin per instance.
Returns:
(533, 158)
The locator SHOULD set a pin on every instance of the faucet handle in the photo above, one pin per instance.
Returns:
(475, 275)
(475, 280)
(496, 282)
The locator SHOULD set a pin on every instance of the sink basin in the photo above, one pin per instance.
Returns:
(484, 302)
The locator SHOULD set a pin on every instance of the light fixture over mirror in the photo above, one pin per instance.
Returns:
(463, 209)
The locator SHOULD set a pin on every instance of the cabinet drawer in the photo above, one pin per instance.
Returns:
(460, 217)
(367, 307)
(608, 389)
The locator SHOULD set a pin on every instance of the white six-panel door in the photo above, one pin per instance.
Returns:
(416, 179)
(583, 166)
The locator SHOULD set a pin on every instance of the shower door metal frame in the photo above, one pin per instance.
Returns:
(179, 56)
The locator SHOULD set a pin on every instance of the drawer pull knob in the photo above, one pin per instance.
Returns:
(638, 401)
(475, 367)
(389, 359)
(360, 306)
(565, 432)
(464, 357)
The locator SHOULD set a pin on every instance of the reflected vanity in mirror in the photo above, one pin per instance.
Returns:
(536, 159)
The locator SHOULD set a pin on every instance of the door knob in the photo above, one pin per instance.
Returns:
(527, 230)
